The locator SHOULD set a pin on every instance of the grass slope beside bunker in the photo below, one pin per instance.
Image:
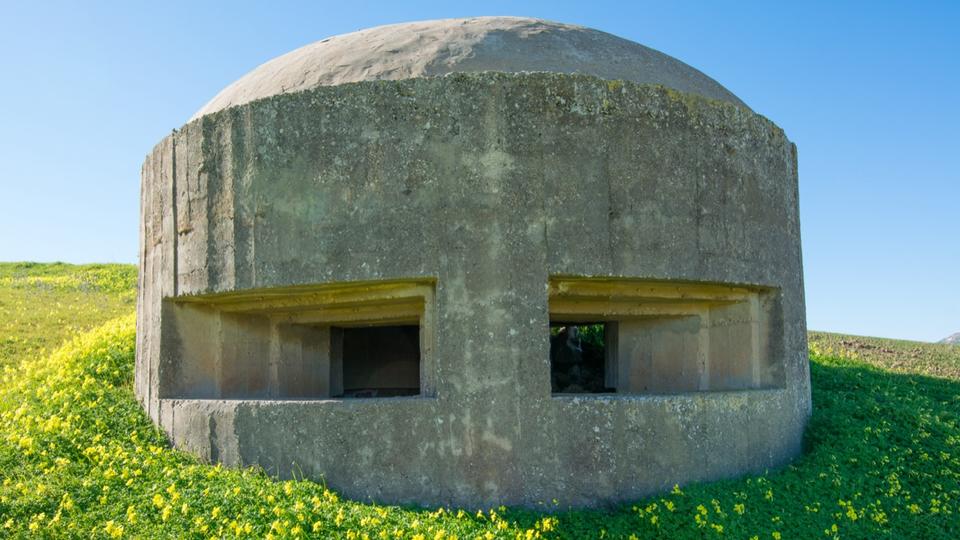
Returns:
(43, 304)
(79, 459)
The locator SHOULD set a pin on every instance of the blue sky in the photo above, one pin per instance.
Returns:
(869, 92)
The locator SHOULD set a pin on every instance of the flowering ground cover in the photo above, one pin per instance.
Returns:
(79, 459)
(43, 304)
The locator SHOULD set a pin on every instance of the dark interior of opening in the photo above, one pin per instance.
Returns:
(381, 361)
(578, 354)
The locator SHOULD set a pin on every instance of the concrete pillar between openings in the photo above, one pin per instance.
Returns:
(611, 365)
(703, 350)
(336, 362)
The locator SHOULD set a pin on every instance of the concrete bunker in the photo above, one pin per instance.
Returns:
(376, 259)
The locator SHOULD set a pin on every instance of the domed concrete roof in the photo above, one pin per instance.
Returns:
(433, 48)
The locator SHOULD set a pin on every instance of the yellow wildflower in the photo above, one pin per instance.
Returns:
(113, 530)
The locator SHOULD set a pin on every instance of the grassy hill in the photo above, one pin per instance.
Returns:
(79, 459)
(894, 355)
(43, 304)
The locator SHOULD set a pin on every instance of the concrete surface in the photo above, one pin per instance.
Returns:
(439, 47)
(454, 203)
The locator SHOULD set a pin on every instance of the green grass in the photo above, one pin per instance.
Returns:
(42, 304)
(79, 459)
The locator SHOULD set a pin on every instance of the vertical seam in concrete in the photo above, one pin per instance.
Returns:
(543, 192)
(273, 384)
(240, 209)
(704, 345)
(697, 220)
(606, 175)
(173, 210)
(755, 339)
(428, 366)
(218, 359)
(799, 371)
(253, 240)
(213, 259)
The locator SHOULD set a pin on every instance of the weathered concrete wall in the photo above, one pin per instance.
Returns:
(489, 184)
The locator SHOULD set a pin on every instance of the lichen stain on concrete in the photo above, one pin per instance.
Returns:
(495, 165)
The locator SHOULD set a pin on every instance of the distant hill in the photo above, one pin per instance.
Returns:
(953, 339)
